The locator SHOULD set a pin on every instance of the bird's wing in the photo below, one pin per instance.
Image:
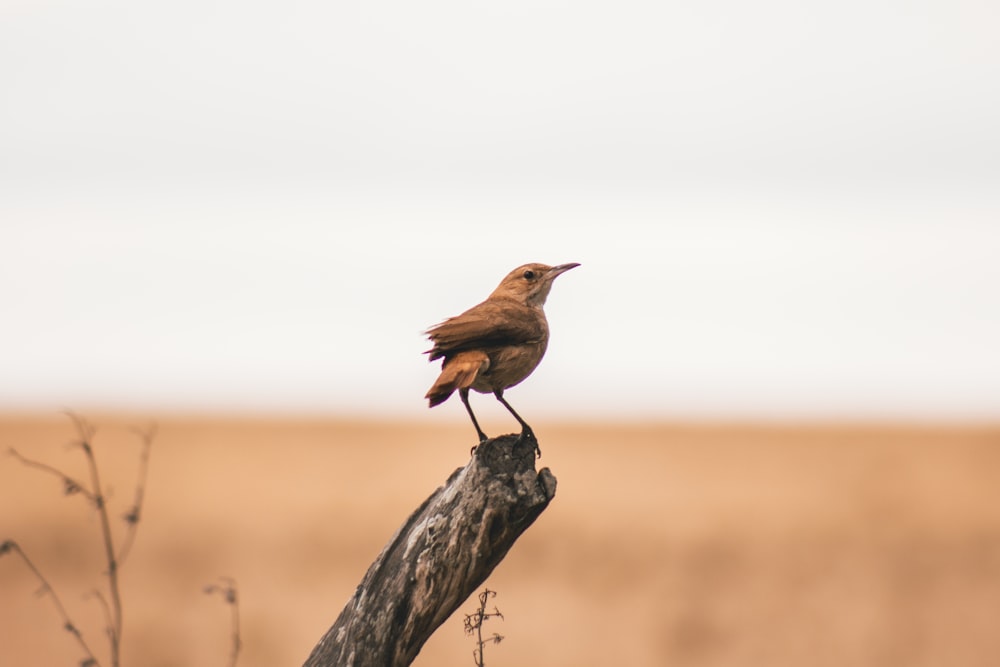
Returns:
(490, 324)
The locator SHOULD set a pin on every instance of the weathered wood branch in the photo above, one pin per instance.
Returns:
(438, 557)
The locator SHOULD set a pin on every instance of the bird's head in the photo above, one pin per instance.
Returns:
(530, 284)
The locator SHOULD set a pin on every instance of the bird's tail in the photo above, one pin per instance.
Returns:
(458, 372)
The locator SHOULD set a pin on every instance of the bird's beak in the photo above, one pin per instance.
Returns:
(562, 268)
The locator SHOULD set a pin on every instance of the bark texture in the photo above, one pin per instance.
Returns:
(438, 557)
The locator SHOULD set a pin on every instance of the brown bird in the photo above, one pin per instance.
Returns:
(497, 344)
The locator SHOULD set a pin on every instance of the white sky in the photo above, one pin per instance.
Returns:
(783, 210)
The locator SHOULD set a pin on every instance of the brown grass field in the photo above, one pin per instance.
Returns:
(666, 544)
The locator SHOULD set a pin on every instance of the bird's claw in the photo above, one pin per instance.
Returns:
(482, 438)
(529, 435)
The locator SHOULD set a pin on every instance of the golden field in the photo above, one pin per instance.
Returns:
(666, 544)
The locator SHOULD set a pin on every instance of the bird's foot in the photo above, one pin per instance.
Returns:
(482, 439)
(527, 435)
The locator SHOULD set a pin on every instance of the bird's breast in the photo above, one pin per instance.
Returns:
(509, 365)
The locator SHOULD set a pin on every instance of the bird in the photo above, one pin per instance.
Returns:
(496, 344)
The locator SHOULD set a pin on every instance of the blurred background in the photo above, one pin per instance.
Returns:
(771, 395)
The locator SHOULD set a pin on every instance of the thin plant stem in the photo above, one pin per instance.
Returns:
(230, 594)
(70, 485)
(474, 624)
(133, 516)
(86, 432)
(111, 605)
(115, 630)
(46, 589)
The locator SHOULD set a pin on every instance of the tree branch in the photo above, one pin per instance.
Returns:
(438, 557)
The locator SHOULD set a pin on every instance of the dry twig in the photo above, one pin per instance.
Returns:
(10, 546)
(134, 514)
(227, 589)
(474, 625)
(111, 606)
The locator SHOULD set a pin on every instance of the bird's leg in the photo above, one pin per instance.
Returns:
(463, 393)
(526, 431)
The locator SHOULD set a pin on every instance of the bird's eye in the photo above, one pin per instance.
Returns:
(529, 275)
